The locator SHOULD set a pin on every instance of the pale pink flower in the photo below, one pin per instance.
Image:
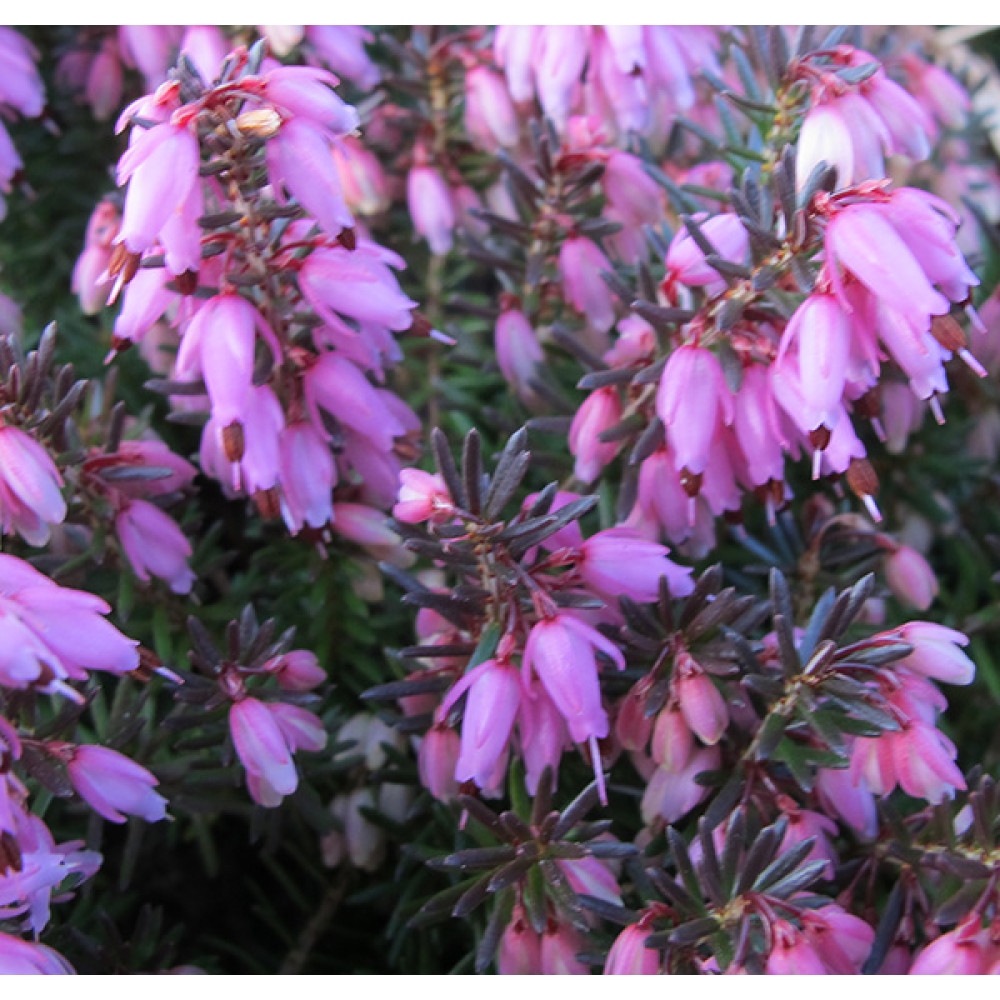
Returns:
(686, 262)
(559, 947)
(960, 952)
(154, 544)
(518, 351)
(31, 498)
(263, 750)
(27, 958)
(629, 956)
(490, 119)
(431, 207)
(910, 577)
(936, 653)
(581, 263)
(620, 563)
(297, 670)
(520, 950)
(437, 758)
(669, 794)
(600, 411)
(114, 785)
(161, 167)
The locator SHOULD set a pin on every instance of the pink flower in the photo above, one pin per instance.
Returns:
(936, 653)
(581, 264)
(599, 412)
(436, 761)
(518, 352)
(692, 399)
(113, 785)
(910, 577)
(27, 958)
(519, 953)
(561, 651)
(423, 496)
(308, 474)
(703, 707)
(960, 952)
(686, 261)
(297, 670)
(792, 954)
(161, 167)
(299, 160)
(629, 955)
(30, 487)
(494, 696)
(672, 794)
(263, 750)
(559, 947)
(619, 562)
(154, 544)
(431, 207)
(490, 119)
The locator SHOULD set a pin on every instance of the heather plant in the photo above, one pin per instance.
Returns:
(469, 502)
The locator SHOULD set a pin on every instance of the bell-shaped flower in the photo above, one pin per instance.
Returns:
(114, 785)
(299, 161)
(692, 400)
(620, 563)
(431, 207)
(154, 544)
(599, 412)
(28, 958)
(581, 263)
(308, 475)
(263, 750)
(161, 167)
(30, 487)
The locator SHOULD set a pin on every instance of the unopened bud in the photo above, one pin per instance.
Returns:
(261, 123)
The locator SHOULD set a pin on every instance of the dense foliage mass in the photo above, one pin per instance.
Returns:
(513, 499)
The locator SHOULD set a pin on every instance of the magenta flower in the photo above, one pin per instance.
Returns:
(113, 785)
(961, 952)
(494, 696)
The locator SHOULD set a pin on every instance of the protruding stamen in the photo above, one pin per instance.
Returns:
(935, 405)
(595, 756)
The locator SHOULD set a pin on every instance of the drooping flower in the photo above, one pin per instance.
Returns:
(114, 785)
